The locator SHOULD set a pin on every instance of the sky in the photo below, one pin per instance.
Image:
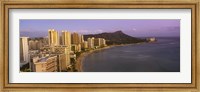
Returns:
(132, 27)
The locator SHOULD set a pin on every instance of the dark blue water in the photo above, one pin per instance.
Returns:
(161, 56)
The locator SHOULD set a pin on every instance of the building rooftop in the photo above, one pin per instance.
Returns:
(43, 59)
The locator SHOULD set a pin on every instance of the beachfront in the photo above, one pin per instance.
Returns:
(83, 55)
(79, 60)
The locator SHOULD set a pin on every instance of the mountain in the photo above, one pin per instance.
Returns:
(117, 37)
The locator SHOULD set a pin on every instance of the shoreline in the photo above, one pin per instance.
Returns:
(79, 60)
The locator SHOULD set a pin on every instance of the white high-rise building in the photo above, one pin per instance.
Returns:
(90, 42)
(102, 42)
(24, 56)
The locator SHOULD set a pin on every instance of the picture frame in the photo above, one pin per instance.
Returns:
(120, 87)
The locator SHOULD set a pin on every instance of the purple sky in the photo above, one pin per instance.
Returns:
(132, 27)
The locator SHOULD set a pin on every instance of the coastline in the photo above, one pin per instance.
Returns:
(79, 60)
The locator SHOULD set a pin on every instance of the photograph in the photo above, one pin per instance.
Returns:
(99, 45)
(85, 46)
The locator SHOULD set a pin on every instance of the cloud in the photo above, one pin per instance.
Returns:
(80, 31)
(88, 31)
(98, 31)
(134, 29)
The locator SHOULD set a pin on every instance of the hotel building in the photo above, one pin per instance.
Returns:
(84, 45)
(66, 38)
(24, 55)
(59, 50)
(90, 42)
(75, 38)
(102, 42)
(36, 44)
(53, 37)
(45, 64)
(62, 65)
(97, 42)
(81, 39)
(76, 47)
(77, 41)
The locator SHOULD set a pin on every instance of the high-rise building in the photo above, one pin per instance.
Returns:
(76, 47)
(76, 42)
(45, 64)
(53, 37)
(58, 50)
(24, 56)
(36, 44)
(102, 42)
(84, 45)
(75, 38)
(39, 44)
(79, 47)
(90, 42)
(62, 64)
(32, 45)
(97, 42)
(66, 38)
(81, 39)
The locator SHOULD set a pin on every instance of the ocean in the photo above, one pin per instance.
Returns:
(160, 56)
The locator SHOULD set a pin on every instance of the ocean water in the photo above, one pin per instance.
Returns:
(160, 56)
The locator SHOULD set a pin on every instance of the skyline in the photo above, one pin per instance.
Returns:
(132, 27)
